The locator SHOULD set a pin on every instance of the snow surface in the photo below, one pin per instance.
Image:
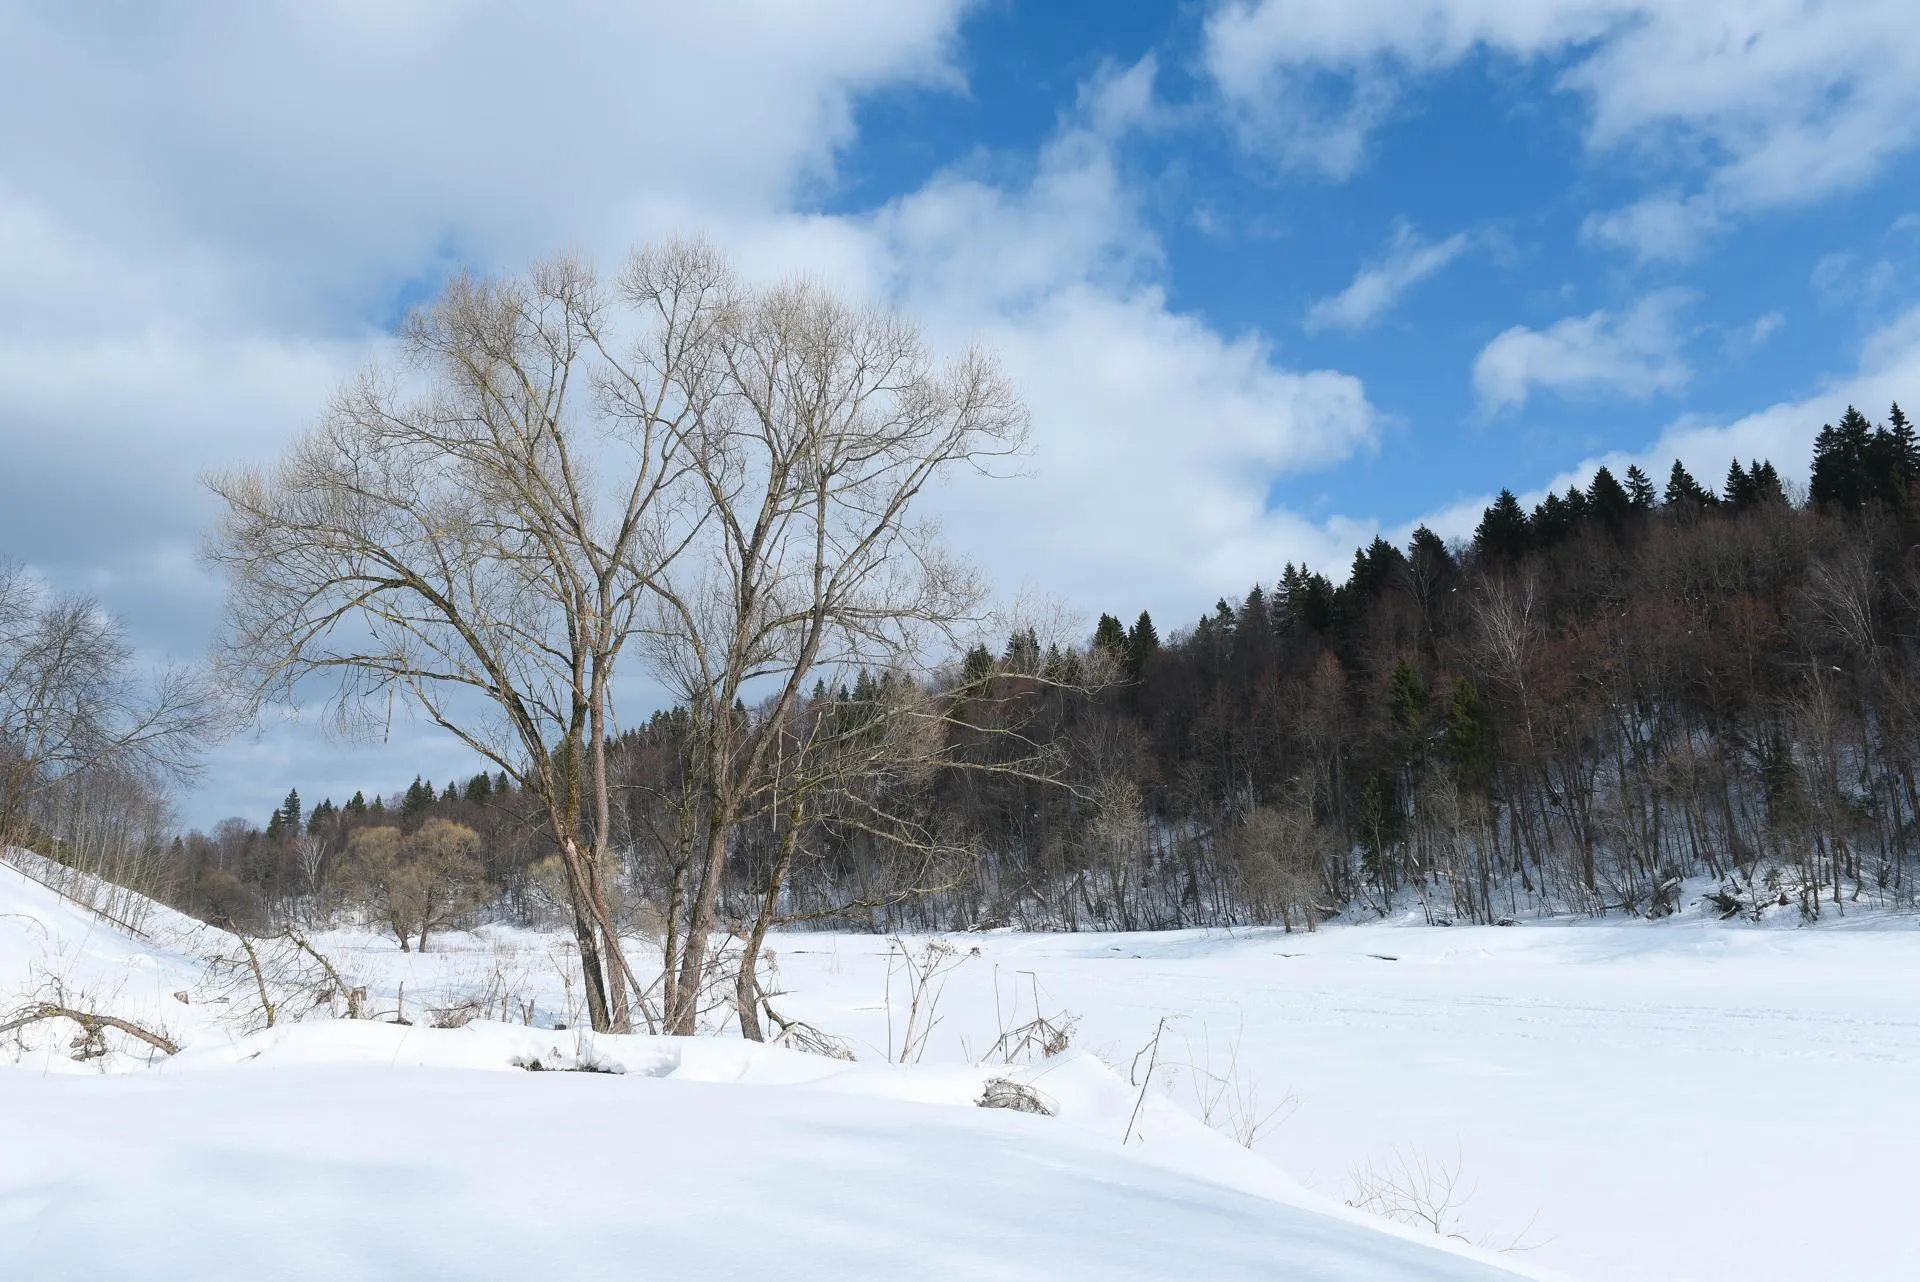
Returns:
(1625, 1101)
(358, 1149)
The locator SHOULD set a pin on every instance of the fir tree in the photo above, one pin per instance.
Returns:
(419, 796)
(977, 666)
(1468, 738)
(1609, 503)
(1842, 464)
(1739, 493)
(1407, 707)
(1110, 635)
(1906, 443)
(1143, 643)
(1685, 496)
(322, 816)
(1640, 491)
(1503, 534)
(1023, 653)
(1427, 553)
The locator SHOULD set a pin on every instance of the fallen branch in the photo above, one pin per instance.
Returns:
(92, 1046)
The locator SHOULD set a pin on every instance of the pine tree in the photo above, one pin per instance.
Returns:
(1685, 496)
(1739, 493)
(1143, 644)
(1842, 457)
(418, 797)
(1427, 553)
(1110, 635)
(1252, 631)
(1503, 534)
(1640, 491)
(480, 788)
(323, 815)
(977, 666)
(1407, 707)
(1551, 522)
(1023, 653)
(1906, 442)
(1607, 501)
(358, 806)
(1468, 738)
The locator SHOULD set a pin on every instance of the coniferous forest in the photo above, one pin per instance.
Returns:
(1575, 711)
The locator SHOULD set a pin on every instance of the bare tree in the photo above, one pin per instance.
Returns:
(74, 707)
(821, 425)
(477, 543)
(419, 881)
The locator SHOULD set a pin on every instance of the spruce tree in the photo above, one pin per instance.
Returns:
(1427, 553)
(1609, 503)
(322, 815)
(418, 797)
(1110, 635)
(1766, 484)
(1906, 442)
(977, 666)
(1686, 496)
(1738, 493)
(1143, 643)
(1503, 534)
(1407, 708)
(1468, 738)
(1640, 491)
(1842, 464)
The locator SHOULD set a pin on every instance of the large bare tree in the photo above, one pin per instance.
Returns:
(475, 537)
(821, 426)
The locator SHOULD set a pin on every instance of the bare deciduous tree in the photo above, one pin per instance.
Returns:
(418, 881)
(821, 426)
(477, 543)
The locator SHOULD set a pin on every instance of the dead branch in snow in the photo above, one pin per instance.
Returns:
(92, 1043)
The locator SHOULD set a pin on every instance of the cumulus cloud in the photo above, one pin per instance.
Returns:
(1888, 367)
(1771, 104)
(1378, 285)
(1634, 353)
(211, 214)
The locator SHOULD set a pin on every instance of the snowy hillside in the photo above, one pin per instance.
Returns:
(358, 1149)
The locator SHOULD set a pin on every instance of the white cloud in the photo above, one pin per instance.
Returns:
(1635, 354)
(1378, 285)
(1772, 102)
(1887, 369)
(204, 208)
(1666, 226)
(1156, 437)
(1749, 338)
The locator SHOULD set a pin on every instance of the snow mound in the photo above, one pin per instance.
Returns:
(338, 1149)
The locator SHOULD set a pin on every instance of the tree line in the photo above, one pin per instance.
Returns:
(569, 477)
(1577, 710)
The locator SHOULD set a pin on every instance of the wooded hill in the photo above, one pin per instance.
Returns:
(1630, 685)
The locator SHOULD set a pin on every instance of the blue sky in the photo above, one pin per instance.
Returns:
(1274, 275)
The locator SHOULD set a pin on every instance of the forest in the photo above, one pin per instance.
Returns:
(1576, 711)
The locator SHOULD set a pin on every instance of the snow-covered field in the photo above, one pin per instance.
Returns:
(1684, 1100)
